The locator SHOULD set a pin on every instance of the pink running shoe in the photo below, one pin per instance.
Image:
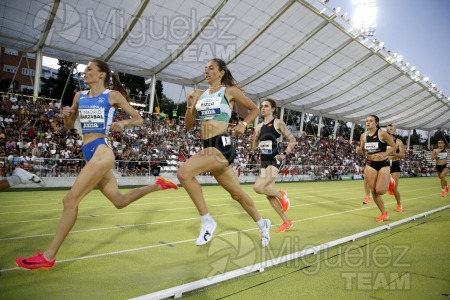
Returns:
(391, 185)
(285, 226)
(166, 184)
(447, 188)
(284, 201)
(35, 262)
(399, 208)
(366, 200)
(382, 217)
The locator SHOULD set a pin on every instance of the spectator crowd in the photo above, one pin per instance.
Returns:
(33, 136)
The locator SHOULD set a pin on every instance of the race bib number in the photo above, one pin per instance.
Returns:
(266, 147)
(209, 107)
(226, 140)
(371, 147)
(441, 156)
(92, 118)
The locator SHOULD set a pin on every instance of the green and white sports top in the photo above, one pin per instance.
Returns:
(213, 106)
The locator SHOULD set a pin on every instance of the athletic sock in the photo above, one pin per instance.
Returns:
(206, 218)
(261, 224)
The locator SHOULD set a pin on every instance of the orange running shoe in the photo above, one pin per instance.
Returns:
(284, 201)
(382, 217)
(285, 226)
(447, 188)
(399, 208)
(391, 185)
(166, 184)
(35, 262)
(366, 200)
(443, 193)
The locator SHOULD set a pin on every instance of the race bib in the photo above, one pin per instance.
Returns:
(265, 147)
(209, 107)
(371, 147)
(92, 118)
(226, 140)
(441, 156)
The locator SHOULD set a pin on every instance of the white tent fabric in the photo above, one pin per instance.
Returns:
(301, 53)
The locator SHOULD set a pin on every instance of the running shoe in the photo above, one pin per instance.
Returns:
(166, 184)
(399, 208)
(265, 234)
(284, 201)
(443, 193)
(37, 261)
(206, 232)
(285, 226)
(27, 177)
(382, 217)
(391, 185)
(447, 188)
(366, 200)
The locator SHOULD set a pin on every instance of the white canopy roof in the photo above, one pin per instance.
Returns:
(300, 53)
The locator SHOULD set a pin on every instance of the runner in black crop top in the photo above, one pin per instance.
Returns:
(442, 167)
(395, 164)
(269, 134)
(374, 144)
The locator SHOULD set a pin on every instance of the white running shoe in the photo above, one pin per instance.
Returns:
(206, 232)
(27, 177)
(265, 234)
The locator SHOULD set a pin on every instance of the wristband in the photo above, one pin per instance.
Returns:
(245, 123)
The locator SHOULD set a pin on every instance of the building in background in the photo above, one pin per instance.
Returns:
(17, 67)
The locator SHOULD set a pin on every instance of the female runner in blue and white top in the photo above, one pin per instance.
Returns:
(214, 107)
(95, 109)
(377, 171)
(441, 155)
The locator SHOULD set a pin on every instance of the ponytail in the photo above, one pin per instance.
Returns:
(227, 79)
(116, 85)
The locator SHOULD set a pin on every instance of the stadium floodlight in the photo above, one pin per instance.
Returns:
(365, 16)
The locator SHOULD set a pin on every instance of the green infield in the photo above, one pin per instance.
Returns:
(150, 245)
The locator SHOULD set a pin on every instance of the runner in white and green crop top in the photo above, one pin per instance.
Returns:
(213, 107)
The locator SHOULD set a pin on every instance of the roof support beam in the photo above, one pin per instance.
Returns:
(48, 26)
(426, 115)
(309, 70)
(392, 106)
(260, 31)
(322, 85)
(183, 46)
(284, 56)
(126, 32)
(438, 126)
(371, 103)
(337, 95)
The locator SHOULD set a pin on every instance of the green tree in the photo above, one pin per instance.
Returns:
(54, 88)
(65, 73)
(48, 86)
(5, 83)
(134, 85)
(439, 134)
(416, 138)
(359, 129)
